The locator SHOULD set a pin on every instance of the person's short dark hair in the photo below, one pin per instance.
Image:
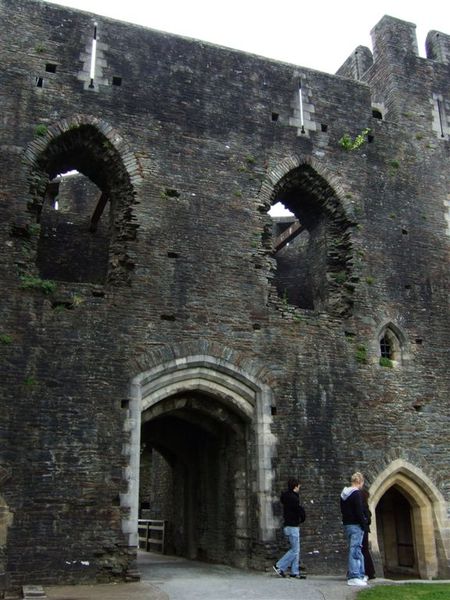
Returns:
(292, 483)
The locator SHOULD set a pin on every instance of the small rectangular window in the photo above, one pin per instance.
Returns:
(275, 116)
(117, 81)
(39, 82)
(50, 68)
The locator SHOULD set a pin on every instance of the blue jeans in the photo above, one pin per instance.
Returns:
(292, 556)
(355, 535)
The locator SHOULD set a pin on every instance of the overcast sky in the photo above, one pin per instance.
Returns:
(317, 34)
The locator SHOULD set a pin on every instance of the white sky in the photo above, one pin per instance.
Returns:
(315, 34)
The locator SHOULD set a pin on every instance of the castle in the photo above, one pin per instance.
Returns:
(167, 344)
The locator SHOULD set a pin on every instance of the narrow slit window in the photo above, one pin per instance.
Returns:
(440, 111)
(300, 105)
(93, 57)
(39, 82)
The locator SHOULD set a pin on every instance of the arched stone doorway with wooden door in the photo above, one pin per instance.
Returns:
(410, 529)
(209, 421)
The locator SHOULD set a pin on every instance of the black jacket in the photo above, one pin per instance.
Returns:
(352, 508)
(293, 512)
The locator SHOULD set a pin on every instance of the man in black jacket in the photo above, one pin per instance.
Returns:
(354, 521)
(293, 514)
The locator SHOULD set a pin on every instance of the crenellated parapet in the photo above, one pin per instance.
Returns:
(437, 47)
(405, 87)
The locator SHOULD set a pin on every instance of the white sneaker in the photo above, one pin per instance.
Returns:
(359, 582)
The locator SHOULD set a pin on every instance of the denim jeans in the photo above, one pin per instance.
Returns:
(292, 556)
(355, 535)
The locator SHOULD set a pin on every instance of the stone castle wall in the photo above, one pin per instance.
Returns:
(186, 146)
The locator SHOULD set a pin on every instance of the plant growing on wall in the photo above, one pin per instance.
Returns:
(386, 362)
(361, 355)
(40, 130)
(347, 143)
(36, 283)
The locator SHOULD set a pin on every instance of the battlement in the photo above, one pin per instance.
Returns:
(394, 40)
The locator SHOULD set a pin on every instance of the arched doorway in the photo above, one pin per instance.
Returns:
(410, 529)
(209, 422)
(395, 534)
(204, 495)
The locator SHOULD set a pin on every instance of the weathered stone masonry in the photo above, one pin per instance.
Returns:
(152, 308)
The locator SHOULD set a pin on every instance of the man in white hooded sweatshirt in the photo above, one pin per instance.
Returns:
(354, 522)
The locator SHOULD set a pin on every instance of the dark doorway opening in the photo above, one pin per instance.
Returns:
(193, 475)
(396, 535)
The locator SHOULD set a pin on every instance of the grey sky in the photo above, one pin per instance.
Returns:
(317, 35)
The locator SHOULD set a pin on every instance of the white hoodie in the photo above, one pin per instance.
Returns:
(347, 492)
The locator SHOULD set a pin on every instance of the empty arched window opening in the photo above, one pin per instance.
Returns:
(81, 184)
(310, 242)
(376, 114)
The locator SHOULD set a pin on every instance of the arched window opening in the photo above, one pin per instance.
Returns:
(390, 347)
(81, 197)
(386, 347)
(310, 243)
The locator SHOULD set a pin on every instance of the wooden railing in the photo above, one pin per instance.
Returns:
(151, 535)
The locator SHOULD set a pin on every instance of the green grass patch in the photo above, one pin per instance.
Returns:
(407, 591)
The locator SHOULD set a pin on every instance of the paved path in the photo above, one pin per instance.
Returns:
(173, 578)
(191, 580)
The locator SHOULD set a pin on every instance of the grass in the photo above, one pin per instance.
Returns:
(407, 591)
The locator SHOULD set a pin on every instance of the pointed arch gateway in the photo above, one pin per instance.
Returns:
(410, 528)
(210, 420)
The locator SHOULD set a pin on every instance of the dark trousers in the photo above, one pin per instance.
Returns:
(368, 562)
